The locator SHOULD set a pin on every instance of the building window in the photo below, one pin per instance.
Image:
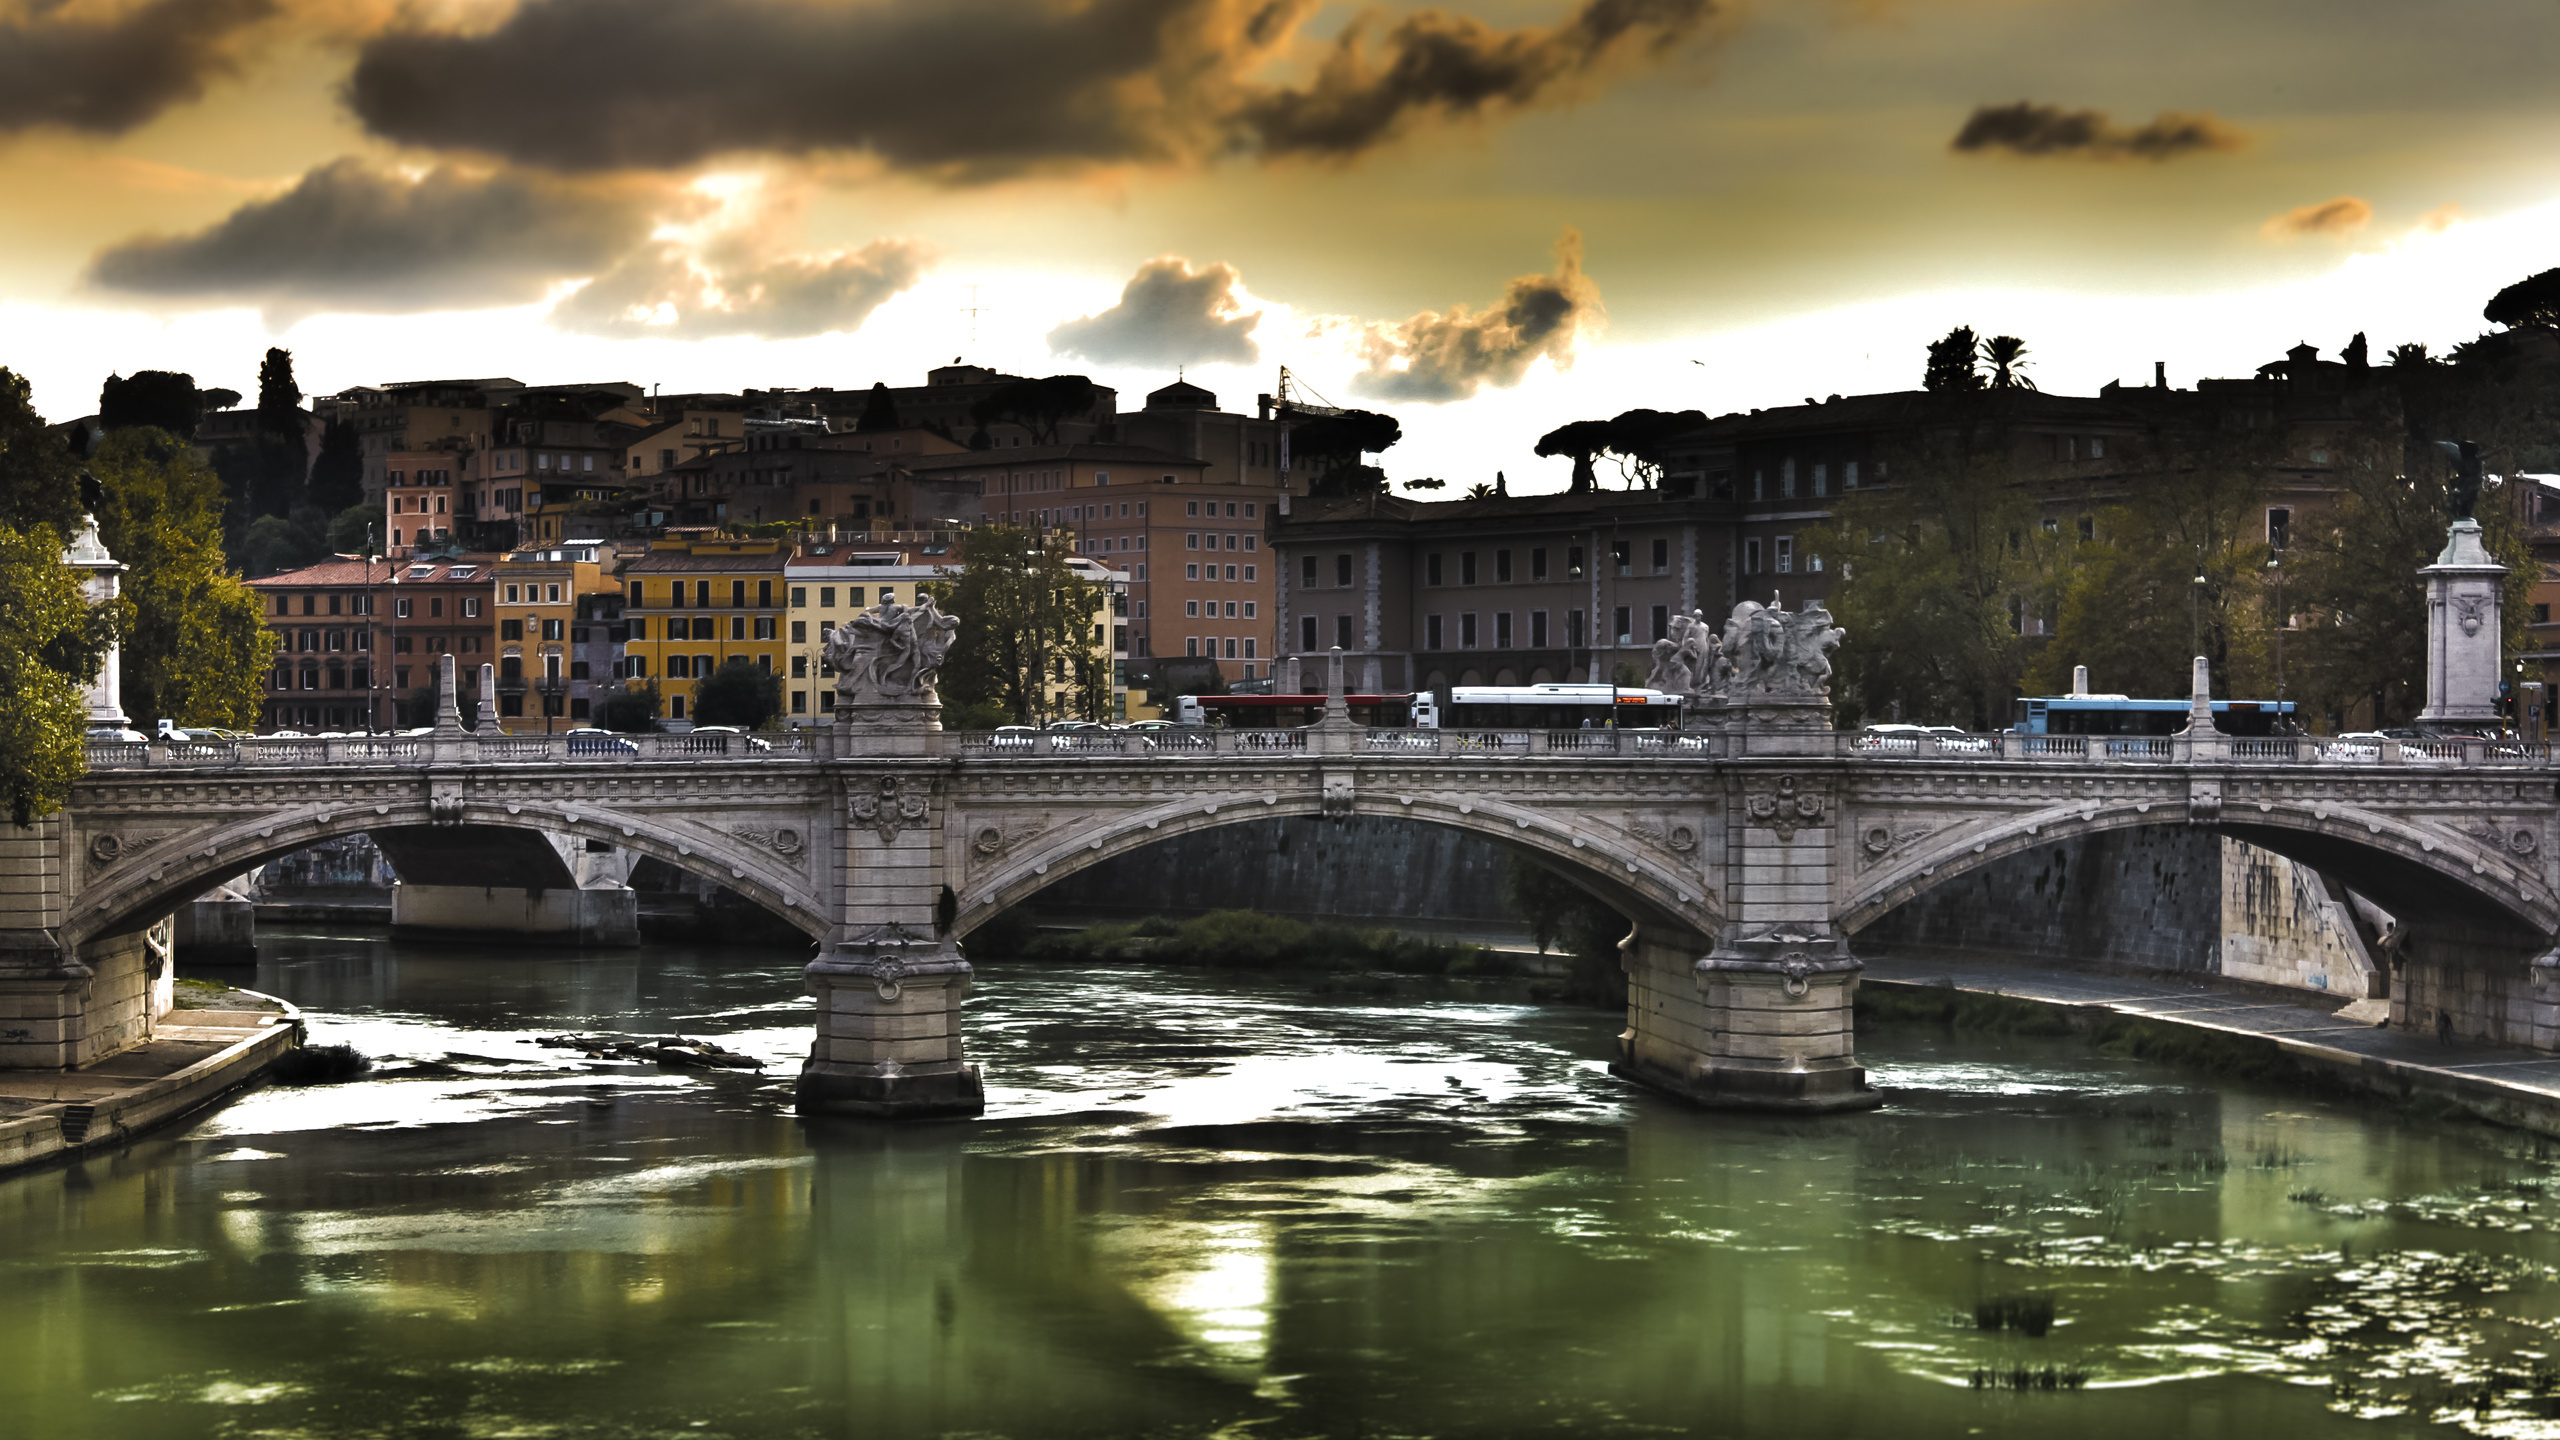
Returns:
(737, 627)
(1306, 632)
(826, 597)
(1248, 573)
(639, 628)
(1502, 567)
(799, 632)
(1466, 567)
(1624, 629)
(1759, 485)
(1787, 478)
(1751, 556)
(1191, 540)
(551, 629)
(1661, 618)
(1502, 630)
(1191, 609)
(1249, 609)
(1342, 631)
(510, 629)
(2279, 527)
(1786, 554)
(470, 607)
(1307, 572)
(1537, 629)
(1191, 643)
(1191, 507)
(1622, 555)
(1342, 570)
(1573, 563)
(1192, 572)
(1538, 563)
(1431, 632)
(1661, 557)
(1576, 633)
(511, 595)
(2088, 527)
(1431, 573)
(1849, 476)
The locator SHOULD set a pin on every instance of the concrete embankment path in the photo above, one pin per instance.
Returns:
(193, 1058)
(2320, 1037)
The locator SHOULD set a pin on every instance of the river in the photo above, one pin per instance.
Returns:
(1272, 1206)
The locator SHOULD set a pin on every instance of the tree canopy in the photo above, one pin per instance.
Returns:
(155, 399)
(337, 473)
(195, 648)
(2531, 302)
(1951, 363)
(39, 476)
(740, 693)
(1025, 617)
(1040, 406)
(49, 650)
(879, 411)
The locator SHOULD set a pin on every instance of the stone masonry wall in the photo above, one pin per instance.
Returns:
(2148, 899)
(1360, 871)
(2287, 924)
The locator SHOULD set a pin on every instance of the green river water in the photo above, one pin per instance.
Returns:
(1211, 1205)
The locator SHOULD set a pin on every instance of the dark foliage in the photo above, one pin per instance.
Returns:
(155, 399)
(740, 693)
(2533, 302)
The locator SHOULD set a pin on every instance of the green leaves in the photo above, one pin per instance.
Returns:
(196, 648)
(44, 619)
(1026, 625)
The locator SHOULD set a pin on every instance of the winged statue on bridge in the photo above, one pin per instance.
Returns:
(890, 653)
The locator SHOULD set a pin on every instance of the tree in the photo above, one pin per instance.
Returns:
(1583, 440)
(1936, 572)
(196, 648)
(280, 457)
(2530, 303)
(1039, 406)
(1481, 490)
(630, 707)
(740, 693)
(2007, 357)
(1338, 441)
(1025, 615)
(1641, 440)
(39, 476)
(355, 530)
(155, 399)
(1951, 363)
(280, 542)
(49, 650)
(337, 474)
(879, 411)
(1560, 912)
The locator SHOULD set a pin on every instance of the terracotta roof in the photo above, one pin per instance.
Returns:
(345, 570)
(660, 562)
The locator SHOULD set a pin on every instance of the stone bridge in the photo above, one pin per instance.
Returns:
(1749, 853)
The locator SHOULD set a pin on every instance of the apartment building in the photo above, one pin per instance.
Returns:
(418, 415)
(526, 489)
(690, 605)
(946, 402)
(357, 641)
(542, 670)
(830, 581)
(1507, 590)
(419, 498)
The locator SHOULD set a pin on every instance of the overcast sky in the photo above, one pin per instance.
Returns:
(1488, 219)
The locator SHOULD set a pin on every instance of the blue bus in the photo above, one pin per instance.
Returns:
(2122, 715)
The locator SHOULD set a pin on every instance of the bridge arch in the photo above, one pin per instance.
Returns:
(130, 890)
(1642, 881)
(2430, 873)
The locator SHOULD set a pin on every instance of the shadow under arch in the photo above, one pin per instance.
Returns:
(2429, 876)
(1638, 885)
(137, 890)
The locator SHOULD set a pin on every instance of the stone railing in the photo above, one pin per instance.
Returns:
(833, 743)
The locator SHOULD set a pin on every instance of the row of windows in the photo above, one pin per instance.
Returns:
(1820, 475)
(514, 629)
(398, 502)
(1191, 647)
(419, 477)
(314, 640)
(684, 667)
(1191, 609)
(827, 596)
(550, 595)
(1210, 572)
(706, 627)
(337, 604)
(1781, 557)
(1469, 573)
(1434, 635)
(1192, 540)
(1192, 508)
(702, 594)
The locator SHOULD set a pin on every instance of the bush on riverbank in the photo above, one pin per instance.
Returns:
(1240, 940)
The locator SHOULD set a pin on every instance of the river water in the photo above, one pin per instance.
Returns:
(1209, 1205)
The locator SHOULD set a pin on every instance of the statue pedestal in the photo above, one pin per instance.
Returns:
(896, 728)
(2464, 654)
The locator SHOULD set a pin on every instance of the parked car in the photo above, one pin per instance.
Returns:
(1013, 737)
(103, 733)
(753, 742)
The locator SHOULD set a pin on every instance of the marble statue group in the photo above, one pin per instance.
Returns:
(1764, 653)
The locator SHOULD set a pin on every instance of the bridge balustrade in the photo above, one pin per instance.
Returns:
(590, 747)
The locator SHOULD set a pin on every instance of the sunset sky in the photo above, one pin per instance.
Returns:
(1486, 219)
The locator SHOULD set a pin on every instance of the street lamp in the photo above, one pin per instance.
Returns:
(2284, 617)
(2195, 614)
(550, 687)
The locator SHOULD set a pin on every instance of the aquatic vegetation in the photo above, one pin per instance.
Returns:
(320, 1065)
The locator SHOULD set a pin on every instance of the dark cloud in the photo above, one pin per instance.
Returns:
(1169, 314)
(663, 291)
(1436, 357)
(1435, 65)
(970, 89)
(351, 237)
(105, 70)
(2030, 129)
(2342, 216)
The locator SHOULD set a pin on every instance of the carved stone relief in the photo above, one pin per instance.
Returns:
(1784, 809)
(890, 806)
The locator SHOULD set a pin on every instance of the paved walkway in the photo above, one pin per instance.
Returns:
(192, 1057)
(2507, 1084)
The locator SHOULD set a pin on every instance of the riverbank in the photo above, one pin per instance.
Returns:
(2246, 1031)
(195, 1056)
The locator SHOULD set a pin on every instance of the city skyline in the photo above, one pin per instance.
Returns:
(1678, 205)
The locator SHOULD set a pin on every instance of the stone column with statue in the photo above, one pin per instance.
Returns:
(889, 986)
(1763, 1019)
(2464, 588)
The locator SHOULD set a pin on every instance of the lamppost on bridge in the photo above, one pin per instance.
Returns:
(2284, 618)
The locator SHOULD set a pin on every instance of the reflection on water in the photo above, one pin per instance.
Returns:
(1209, 1205)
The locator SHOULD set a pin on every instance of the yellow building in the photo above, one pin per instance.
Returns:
(536, 604)
(830, 581)
(693, 604)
